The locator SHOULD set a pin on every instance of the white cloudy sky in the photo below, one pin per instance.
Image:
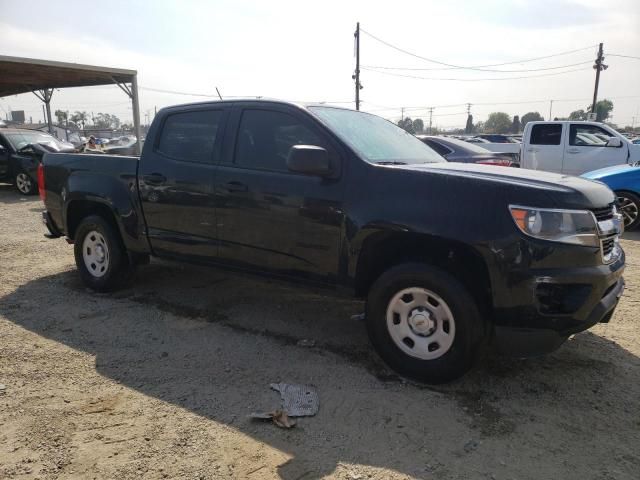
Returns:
(303, 51)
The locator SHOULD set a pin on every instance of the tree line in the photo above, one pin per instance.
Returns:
(80, 119)
(501, 122)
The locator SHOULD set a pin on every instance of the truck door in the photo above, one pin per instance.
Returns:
(542, 148)
(175, 180)
(269, 218)
(587, 149)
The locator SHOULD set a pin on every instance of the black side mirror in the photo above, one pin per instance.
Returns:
(309, 160)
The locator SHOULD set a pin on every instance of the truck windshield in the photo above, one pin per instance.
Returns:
(377, 140)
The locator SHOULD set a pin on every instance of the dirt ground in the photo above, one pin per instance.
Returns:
(157, 381)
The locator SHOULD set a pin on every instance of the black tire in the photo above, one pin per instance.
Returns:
(470, 332)
(629, 205)
(24, 183)
(117, 272)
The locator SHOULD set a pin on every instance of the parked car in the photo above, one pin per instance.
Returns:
(454, 150)
(513, 149)
(575, 147)
(21, 151)
(624, 180)
(345, 200)
(496, 138)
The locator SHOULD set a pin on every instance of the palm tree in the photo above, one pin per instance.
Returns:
(80, 118)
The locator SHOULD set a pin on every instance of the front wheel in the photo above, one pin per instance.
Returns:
(24, 183)
(424, 323)
(100, 256)
(629, 207)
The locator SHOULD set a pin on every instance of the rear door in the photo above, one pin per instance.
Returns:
(587, 150)
(175, 181)
(543, 149)
(270, 219)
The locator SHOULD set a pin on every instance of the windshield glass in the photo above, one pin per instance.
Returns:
(376, 139)
(21, 139)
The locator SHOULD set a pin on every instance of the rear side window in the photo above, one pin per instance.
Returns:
(546, 134)
(190, 136)
(438, 147)
(265, 138)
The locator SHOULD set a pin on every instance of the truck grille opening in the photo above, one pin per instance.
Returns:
(604, 213)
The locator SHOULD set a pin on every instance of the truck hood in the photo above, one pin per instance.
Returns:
(564, 191)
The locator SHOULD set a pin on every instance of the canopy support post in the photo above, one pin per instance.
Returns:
(45, 96)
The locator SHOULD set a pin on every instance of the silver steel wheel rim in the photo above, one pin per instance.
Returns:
(420, 323)
(23, 182)
(95, 254)
(628, 209)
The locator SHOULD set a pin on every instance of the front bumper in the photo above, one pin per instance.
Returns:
(546, 306)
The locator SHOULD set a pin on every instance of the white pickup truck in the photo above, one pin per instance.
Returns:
(574, 147)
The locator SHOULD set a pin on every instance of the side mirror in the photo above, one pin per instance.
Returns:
(614, 142)
(309, 160)
(3, 150)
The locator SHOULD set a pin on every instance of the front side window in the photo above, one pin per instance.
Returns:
(546, 134)
(190, 136)
(266, 136)
(588, 136)
(375, 139)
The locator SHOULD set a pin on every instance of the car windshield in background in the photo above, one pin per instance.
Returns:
(376, 139)
(22, 139)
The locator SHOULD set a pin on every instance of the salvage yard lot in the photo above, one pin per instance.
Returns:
(157, 381)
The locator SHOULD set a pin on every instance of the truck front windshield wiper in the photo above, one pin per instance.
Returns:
(390, 162)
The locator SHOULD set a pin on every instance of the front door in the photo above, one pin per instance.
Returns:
(270, 219)
(587, 150)
(176, 183)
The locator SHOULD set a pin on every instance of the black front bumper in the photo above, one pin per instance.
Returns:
(533, 321)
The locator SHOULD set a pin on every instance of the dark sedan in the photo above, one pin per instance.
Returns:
(455, 150)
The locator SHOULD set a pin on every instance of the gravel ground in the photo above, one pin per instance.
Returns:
(157, 381)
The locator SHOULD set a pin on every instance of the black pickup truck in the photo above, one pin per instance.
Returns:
(450, 257)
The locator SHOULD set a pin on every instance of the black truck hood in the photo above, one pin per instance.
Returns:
(564, 191)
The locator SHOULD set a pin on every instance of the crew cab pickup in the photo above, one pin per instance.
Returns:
(449, 256)
(575, 147)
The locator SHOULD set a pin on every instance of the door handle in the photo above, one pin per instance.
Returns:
(573, 150)
(236, 187)
(154, 178)
(532, 150)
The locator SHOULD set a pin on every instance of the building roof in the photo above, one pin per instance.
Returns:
(22, 75)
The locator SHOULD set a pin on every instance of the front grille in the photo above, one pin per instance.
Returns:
(604, 213)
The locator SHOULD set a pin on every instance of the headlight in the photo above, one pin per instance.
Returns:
(577, 227)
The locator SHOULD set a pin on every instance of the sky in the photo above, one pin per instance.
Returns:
(304, 51)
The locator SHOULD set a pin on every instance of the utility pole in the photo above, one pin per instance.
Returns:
(550, 108)
(356, 75)
(402, 113)
(430, 118)
(598, 67)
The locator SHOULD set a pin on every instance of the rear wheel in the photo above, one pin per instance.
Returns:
(629, 207)
(101, 258)
(424, 323)
(24, 183)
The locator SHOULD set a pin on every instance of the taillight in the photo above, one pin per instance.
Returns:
(41, 189)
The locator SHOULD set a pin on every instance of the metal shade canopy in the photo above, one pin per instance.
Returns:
(22, 75)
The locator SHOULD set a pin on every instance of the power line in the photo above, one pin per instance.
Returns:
(475, 67)
(474, 79)
(622, 56)
(484, 70)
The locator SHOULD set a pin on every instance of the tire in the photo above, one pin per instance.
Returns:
(24, 183)
(101, 257)
(444, 325)
(629, 207)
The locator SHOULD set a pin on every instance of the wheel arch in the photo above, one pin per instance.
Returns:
(385, 249)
